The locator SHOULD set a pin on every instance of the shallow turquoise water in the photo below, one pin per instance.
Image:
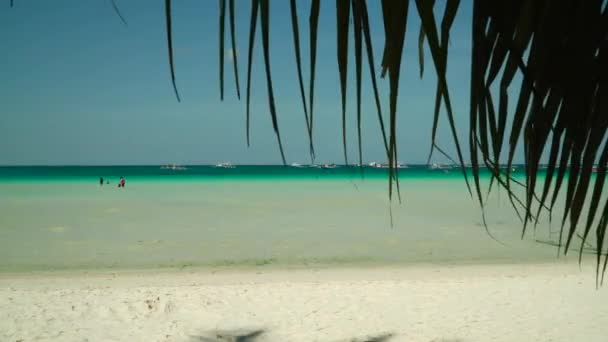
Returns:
(245, 172)
(60, 218)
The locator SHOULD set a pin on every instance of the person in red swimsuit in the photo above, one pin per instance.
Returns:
(121, 184)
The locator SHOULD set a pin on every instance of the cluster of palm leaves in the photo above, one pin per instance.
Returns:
(558, 48)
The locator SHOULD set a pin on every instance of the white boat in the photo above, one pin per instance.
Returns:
(296, 165)
(173, 167)
(225, 165)
(386, 166)
(436, 166)
(328, 166)
(506, 167)
(468, 166)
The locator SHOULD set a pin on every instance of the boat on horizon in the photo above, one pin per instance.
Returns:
(386, 165)
(173, 167)
(437, 166)
(225, 165)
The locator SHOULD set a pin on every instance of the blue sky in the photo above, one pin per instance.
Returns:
(78, 87)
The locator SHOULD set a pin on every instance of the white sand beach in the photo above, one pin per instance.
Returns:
(538, 302)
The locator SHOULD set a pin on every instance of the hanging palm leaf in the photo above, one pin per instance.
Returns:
(559, 50)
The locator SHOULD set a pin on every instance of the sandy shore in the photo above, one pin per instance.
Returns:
(549, 302)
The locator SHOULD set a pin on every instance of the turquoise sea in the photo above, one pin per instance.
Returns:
(60, 218)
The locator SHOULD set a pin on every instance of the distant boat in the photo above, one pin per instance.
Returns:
(324, 166)
(296, 165)
(436, 166)
(506, 167)
(386, 166)
(173, 167)
(225, 165)
(469, 166)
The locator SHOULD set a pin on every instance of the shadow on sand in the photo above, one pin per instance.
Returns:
(375, 338)
(230, 336)
(254, 336)
(242, 335)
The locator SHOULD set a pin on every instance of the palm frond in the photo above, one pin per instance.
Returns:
(357, 31)
(116, 10)
(558, 105)
(439, 53)
(313, 22)
(235, 60)
(222, 6)
(296, 42)
(170, 46)
(252, 28)
(372, 72)
(394, 14)
(264, 11)
(559, 51)
(343, 23)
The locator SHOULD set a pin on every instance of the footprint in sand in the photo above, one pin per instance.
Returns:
(152, 304)
(58, 229)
